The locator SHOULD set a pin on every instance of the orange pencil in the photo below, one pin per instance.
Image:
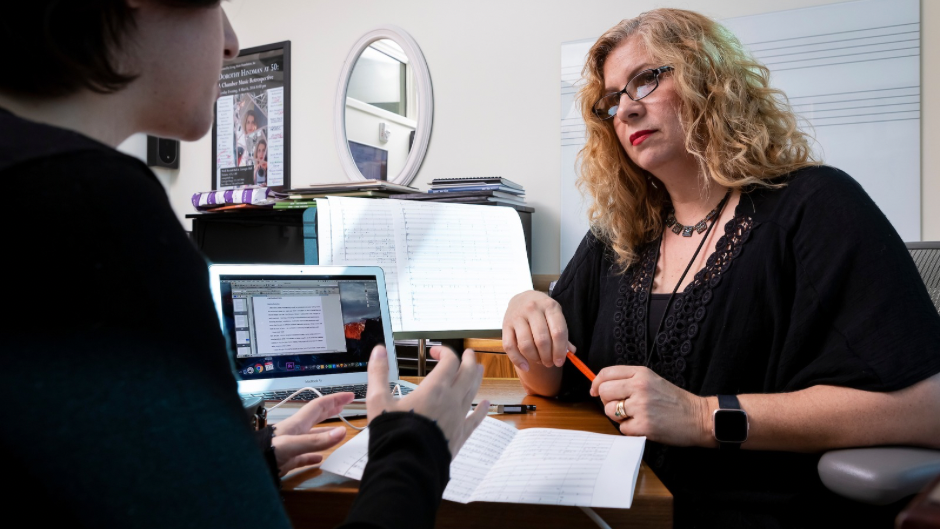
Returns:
(580, 365)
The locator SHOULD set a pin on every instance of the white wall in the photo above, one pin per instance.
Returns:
(495, 69)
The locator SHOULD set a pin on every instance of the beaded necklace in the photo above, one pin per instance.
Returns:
(686, 231)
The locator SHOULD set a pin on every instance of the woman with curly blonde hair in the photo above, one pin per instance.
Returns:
(733, 293)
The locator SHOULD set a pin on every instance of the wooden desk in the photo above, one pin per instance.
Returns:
(319, 499)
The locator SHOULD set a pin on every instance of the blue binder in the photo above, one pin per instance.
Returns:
(311, 254)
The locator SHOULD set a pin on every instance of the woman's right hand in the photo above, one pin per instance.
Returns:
(535, 331)
(444, 396)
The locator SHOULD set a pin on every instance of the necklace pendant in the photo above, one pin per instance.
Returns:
(687, 231)
(701, 226)
(677, 229)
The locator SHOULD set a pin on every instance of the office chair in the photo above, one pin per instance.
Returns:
(883, 475)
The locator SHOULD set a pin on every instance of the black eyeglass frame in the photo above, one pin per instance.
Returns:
(656, 73)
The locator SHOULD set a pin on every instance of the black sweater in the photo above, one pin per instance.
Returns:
(121, 401)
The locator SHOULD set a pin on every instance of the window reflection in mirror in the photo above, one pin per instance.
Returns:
(381, 110)
(380, 80)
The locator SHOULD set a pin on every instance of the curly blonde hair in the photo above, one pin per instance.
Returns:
(741, 131)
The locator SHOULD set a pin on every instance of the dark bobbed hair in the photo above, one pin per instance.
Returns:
(57, 47)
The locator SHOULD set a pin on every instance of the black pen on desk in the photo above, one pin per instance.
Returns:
(510, 408)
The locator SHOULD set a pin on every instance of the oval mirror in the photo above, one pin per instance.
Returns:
(384, 108)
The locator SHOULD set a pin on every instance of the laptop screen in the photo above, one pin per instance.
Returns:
(288, 326)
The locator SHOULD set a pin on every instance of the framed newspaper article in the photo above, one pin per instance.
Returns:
(251, 130)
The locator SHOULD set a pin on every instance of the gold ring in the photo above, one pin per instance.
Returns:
(620, 412)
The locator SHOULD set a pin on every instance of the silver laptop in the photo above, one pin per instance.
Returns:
(296, 326)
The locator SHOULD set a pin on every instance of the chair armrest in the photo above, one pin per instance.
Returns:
(880, 475)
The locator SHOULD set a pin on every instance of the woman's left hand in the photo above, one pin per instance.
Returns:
(295, 443)
(655, 408)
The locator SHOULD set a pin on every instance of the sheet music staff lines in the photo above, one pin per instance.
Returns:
(867, 44)
(851, 71)
(472, 464)
(847, 108)
(454, 251)
(826, 49)
(842, 52)
(447, 266)
(846, 32)
(538, 465)
(905, 42)
(363, 235)
(530, 469)
(572, 126)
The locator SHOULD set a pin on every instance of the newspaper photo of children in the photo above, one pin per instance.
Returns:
(251, 124)
(239, 112)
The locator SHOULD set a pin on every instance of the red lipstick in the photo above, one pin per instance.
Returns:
(637, 137)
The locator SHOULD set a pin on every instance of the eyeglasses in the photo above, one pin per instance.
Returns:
(637, 88)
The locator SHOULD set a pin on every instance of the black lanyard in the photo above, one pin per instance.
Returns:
(659, 328)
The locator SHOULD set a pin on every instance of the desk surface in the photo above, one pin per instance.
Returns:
(320, 499)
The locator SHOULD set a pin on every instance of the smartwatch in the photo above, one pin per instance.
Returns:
(730, 423)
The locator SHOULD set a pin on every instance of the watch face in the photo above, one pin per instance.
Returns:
(730, 426)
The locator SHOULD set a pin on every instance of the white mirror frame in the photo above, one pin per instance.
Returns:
(425, 103)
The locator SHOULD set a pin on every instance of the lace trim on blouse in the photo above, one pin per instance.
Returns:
(685, 314)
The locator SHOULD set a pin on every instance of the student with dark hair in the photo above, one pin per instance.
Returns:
(126, 410)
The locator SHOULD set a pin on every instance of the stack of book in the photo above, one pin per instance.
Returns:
(490, 190)
(306, 197)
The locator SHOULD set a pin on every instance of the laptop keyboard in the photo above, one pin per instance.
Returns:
(358, 389)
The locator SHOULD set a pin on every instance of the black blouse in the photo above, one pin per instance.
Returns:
(810, 284)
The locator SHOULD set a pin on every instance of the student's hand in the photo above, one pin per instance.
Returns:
(444, 396)
(294, 442)
(535, 331)
(653, 406)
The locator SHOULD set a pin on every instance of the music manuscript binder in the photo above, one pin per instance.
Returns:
(447, 266)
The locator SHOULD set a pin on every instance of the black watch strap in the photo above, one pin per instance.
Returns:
(731, 403)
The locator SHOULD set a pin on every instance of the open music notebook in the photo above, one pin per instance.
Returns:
(499, 463)
(447, 266)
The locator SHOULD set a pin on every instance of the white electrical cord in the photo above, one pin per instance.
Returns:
(595, 518)
(315, 390)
